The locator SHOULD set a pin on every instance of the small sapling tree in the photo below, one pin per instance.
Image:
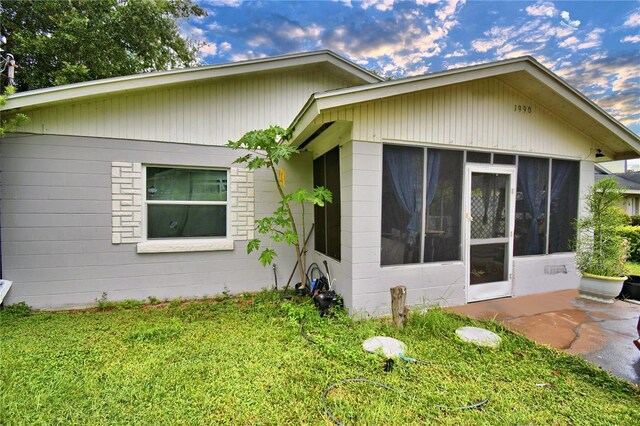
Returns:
(266, 149)
(16, 120)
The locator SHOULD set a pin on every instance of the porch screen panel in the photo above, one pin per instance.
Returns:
(565, 178)
(326, 172)
(443, 205)
(402, 192)
(531, 206)
(319, 233)
(332, 210)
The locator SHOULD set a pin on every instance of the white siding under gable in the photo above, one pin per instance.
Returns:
(208, 113)
(481, 114)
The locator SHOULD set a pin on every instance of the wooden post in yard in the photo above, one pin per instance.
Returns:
(398, 299)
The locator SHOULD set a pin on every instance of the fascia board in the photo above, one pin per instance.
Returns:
(303, 120)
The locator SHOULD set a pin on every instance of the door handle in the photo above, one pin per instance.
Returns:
(469, 217)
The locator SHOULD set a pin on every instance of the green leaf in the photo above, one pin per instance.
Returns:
(253, 245)
(321, 195)
(266, 257)
(300, 195)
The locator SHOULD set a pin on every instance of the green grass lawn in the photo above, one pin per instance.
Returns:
(244, 361)
(633, 268)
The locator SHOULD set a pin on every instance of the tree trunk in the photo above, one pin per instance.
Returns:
(398, 298)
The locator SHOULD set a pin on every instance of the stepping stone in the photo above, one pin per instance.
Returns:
(387, 346)
(479, 336)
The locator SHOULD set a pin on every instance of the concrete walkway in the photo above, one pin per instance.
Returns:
(598, 332)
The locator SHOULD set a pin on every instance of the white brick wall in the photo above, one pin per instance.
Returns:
(126, 197)
(242, 200)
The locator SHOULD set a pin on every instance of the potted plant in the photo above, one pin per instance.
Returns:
(601, 250)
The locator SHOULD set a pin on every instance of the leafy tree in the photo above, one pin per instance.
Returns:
(267, 148)
(16, 120)
(59, 42)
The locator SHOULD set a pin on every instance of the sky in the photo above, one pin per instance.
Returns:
(593, 45)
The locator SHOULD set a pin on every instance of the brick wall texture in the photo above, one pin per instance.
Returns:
(126, 200)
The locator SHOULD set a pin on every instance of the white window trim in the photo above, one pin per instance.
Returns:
(177, 245)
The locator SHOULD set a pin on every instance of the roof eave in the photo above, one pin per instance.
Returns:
(93, 88)
(359, 94)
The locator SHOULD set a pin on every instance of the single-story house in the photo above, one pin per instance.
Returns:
(460, 185)
(630, 181)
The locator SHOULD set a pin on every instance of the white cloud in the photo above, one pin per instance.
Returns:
(542, 8)
(567, 19)
(382, 5)
(311, 31)
(593, 39)
(250, 54)
(400, 42)
(421, 70)
(611, 82)
(208, 49)
(631, 39)
(194, 31)
(258, 41)
(214, 26)
(448, 10)
(633, 20)
(457, 54)
(224, 46)
(426, 2)
(531, 32)
(230, 3)
(570, 42)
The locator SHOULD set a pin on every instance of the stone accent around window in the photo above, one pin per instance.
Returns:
(126, 199)
(242, 198)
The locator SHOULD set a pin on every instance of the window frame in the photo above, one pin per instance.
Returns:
(425, 153)
(180, 240)
(515, 164)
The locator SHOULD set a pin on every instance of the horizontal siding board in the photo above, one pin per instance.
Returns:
(56, 225)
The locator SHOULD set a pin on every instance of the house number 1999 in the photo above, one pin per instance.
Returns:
(522, 108)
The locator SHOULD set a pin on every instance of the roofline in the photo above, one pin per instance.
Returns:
(91, 88)
(342, 97)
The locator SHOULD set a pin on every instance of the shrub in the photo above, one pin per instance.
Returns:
(632, 235)
(635, 220)
(17, 310)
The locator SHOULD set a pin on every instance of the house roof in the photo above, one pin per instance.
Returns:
(629, 180)
(524, 74)
(40, 97)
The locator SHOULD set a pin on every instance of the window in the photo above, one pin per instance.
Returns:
(411, 185)
(443, 205)
(531, 206)
(402, 193)
(565, 176)
(544, 219)
(326, 172)
(185, 203)
(478, 157)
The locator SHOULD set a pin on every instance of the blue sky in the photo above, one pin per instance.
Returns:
(594, 45)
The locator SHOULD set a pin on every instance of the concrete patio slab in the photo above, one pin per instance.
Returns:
(598, 332)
